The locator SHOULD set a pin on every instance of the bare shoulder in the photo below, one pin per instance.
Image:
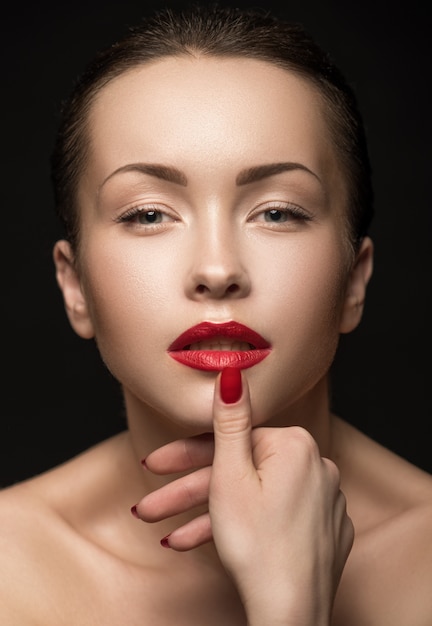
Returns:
(28, 528)
(390, 483)
(48, 564)
(388, 577)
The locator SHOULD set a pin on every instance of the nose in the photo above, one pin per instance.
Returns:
(216, 270)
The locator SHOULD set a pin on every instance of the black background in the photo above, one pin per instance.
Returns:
(57, 397)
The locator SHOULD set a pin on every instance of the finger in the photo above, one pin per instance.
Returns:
(181, 455)
(178, 496)
(191, 535)
(346, 527)
(232, 423)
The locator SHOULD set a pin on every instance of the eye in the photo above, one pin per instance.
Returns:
(280, 213)
(150, 217)
(275, 215)
(146, 216)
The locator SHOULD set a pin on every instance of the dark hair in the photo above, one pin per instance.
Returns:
(216, 31)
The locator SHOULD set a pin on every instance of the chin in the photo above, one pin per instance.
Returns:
(190, 414)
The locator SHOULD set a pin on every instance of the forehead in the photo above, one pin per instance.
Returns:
(210, 112)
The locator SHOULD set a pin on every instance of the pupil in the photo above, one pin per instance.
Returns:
(150, 216)
(275, 215)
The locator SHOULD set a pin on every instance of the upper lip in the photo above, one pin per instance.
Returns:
(208, 330)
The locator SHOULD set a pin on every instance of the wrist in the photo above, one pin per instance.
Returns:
(279, 609)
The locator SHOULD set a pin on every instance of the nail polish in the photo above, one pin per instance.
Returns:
(134, 511)
(231, 385)
(164, 542)
(144, 464)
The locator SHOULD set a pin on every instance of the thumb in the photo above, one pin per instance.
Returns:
(232, 420)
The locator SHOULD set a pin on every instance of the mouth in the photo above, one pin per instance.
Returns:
(212, 347)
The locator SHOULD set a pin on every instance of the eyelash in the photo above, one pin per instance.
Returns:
(135, 212)
(292, 213)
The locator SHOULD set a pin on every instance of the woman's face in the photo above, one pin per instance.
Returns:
(212, 194)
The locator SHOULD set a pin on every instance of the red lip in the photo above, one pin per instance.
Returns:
(216, 360)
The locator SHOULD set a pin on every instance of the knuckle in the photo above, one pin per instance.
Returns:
(299, 439)
(333, 471)
(188, 453)
(188, 493)
(232, 421)
(195, 487)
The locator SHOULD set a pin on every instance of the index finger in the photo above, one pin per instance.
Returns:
(181, 455)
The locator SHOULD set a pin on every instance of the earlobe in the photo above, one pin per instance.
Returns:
(70, 285)
(356, 288)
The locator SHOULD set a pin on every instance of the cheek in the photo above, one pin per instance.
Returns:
(306, 278)
(127, 292)
(304, 300)
(324, 285)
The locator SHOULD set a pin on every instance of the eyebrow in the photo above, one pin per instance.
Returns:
(164, 172)
(245, 177)
(258, 172)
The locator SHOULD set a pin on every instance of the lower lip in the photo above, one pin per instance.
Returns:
(217, 360)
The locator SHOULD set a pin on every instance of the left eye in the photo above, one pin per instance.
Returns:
(280, 214)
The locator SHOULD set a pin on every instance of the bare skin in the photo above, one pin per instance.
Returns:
(71, 550)
(73, 557)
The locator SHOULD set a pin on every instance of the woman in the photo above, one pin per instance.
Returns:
(212, 175)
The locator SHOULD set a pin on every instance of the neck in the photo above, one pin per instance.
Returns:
(149, 429)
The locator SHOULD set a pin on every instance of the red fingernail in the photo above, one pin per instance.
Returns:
(134, 511)
(164, 542)
(231, 385)
(144, 464)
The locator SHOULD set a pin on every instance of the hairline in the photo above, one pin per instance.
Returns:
(91, 95)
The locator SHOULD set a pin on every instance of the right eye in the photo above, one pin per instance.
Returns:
(146, 217)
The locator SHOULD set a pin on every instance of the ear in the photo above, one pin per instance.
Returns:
(356, 287)
(70, 285)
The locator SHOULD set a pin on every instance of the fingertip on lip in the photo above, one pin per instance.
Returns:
(231, 385)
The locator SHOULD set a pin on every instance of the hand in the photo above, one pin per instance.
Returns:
(276, 513)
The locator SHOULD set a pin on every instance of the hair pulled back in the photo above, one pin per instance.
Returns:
(219, 32)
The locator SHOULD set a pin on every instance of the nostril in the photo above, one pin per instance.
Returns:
(219, 287)
(233, 288)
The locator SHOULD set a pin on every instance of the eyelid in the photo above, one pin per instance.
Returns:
(295, 210)
(139, 208)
